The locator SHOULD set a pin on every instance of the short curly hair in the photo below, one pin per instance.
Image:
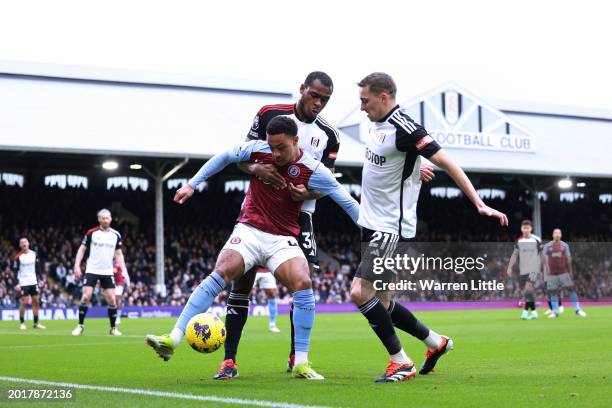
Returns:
(282, 124)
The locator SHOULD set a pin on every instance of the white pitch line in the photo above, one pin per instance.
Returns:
(68, 345)
(210, 398)
(68, 334)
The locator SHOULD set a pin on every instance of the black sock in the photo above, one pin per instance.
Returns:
(531, 305)
(22, 318)
(549, 304)
(560, 301)
(235, 319)
(380, 322)
(112, 316)
(82, 313)
(292, 331)
(404, 320)
(35, 319)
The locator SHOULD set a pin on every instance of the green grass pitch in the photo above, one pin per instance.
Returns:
(498, 361)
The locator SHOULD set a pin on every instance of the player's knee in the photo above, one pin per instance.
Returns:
(302, 282)
(357, 295)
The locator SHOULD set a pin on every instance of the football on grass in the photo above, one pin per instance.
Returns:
(205, 333)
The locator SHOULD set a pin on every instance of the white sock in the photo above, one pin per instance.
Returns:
(176, 335)
(400, 357)
(301, 357)
(433, 341)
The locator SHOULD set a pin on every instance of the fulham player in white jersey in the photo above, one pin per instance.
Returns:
(25, 265)
(389, 195)
(100, 246)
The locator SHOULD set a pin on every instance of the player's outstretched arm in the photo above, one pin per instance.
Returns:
(445, 162)
(324, 182)
(217, 163)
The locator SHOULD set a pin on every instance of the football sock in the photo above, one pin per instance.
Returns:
(176, 335)
(235, 319)
(404, 320)
(433, 340)
(273, 309)
(301, 357)
(380, 321)
(554, 300)
(292, 330)
(574, 298)
(550, 305)
(82, 314)
(21, 318)
(303, 319)
(112, 316)
(400, 357)
(35, 319)
(201, 299)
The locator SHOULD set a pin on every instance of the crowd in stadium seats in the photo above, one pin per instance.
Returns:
(195, 233)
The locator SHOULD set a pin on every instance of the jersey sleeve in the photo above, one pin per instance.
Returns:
(86, 240)
(411, 135)
(567, 249)
(239, 153)
(331, 152)
(323, 180)
(119, 243)
(258, 128)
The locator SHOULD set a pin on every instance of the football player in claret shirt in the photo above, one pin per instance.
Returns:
(389, 194)
(25, 265)
(265, 233)
(559, 272)
(100, 246)
(317, 138)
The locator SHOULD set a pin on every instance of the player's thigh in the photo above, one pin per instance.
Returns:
(245, 283)
(271, 293)
(109, 295)
(294, 273)
(566, 281)
(241, 253)
(385, 297)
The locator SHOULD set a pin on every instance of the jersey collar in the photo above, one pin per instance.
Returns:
(388, 115)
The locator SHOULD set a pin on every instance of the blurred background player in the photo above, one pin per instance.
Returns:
(389, 193)
(100, 245)
(265, 234)
(122, 280)
(558, 261)
(265, 280)
(26, 264)
(528, 250)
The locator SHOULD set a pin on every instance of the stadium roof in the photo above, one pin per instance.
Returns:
(508, 137)
(67, 109)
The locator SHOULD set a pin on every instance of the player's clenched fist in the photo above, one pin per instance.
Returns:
(183, 194)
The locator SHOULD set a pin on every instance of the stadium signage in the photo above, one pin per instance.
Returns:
(457, 119)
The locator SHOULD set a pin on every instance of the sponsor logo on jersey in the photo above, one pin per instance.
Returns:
(374, 158)
(235, 240)
(293, 171)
